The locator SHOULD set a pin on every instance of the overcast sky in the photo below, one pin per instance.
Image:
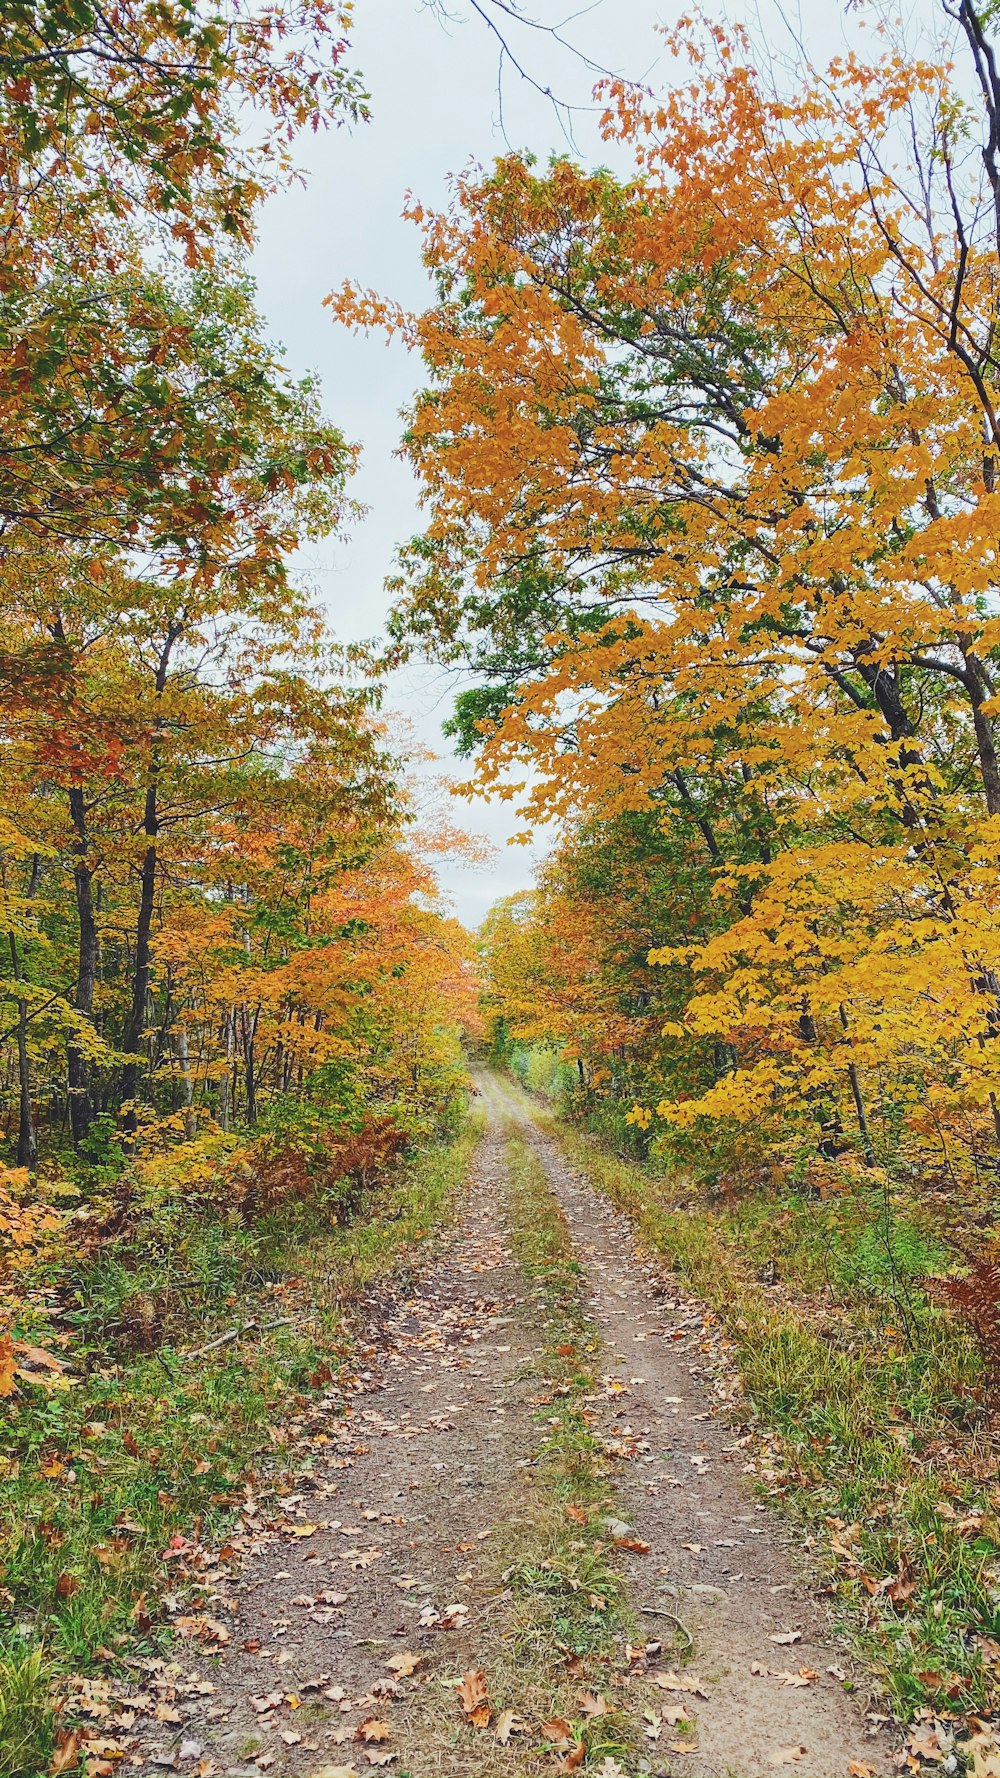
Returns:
(434, 109)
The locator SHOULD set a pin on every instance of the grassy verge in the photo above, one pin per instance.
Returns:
(876, 1440)
(129, 1451)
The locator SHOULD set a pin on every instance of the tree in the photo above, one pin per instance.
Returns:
(728, 440)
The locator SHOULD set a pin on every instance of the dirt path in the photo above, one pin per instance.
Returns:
(379, 1552)
(718, 1559)
(355, 1606)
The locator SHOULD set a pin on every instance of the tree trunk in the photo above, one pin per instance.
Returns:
(187, 1085)
(140, 972)
(78, 1066)
(27, 1146)
(147, 894)
(225, 1113)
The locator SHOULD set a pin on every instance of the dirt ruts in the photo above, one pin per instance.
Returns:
(377, 1581)
(718, 1559)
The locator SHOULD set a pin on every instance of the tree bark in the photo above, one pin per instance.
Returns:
(27, 1145)
(136, 1024)
(78, 1068)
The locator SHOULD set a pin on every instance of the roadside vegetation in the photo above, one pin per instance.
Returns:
(874, 1420)
(192, 1340)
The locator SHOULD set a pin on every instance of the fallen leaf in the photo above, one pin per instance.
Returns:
(405, 1663)
(856, 1768)
(575, 1757)
(672, 1714)
(786, 1637)
(332, 1772)
(556, 1728)
(985, 1757)
(471, 1689)
(267, 1701)
(380, 1756)
(591, 1705)
(632, 1543)
(372, 1730)
(508, 1724)
(672, 1682)
(66, 1754)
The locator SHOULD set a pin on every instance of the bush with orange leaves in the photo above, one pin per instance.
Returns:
(24, 1232)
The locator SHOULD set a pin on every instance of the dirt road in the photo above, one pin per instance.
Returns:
(383, 1577)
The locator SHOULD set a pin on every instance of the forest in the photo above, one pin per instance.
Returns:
(317, 1199)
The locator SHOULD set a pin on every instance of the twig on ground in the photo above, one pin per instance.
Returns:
(235, 1333)
(658, 1611)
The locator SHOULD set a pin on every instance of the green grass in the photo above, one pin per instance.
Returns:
(96, 1477)
(570, 1598)
(870, 1410)
(25, 1715)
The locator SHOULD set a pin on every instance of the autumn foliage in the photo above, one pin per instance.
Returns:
(227, 973)
(710, 455)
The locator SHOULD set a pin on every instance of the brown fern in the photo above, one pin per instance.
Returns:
(976, 1299)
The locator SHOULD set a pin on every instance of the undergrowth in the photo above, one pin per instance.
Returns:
(130, 1446)
(871, 1411)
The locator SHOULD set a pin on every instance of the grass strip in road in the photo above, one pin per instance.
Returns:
(573, 1614)
(98, 1476)
(858, 1432)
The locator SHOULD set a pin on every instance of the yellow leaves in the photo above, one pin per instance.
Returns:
(8, 1365)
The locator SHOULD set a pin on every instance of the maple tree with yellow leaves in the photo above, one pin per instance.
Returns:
(711, 466)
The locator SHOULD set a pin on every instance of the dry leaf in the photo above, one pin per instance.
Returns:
(556, 1728)
(591, 1705)
(66, 1754)
(785, 1637)
(575, 1757)
(856, 1768)
(672, 1714)
(508, 1724)
(380, 1756)
(672, 1682)
(471, 1689)
(372, 1730)
(405, 1663)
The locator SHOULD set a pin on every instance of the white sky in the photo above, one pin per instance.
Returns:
(434, 104)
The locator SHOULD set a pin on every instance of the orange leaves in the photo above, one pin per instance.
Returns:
(471, 1689)
(8, 1365)
(666, 478)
